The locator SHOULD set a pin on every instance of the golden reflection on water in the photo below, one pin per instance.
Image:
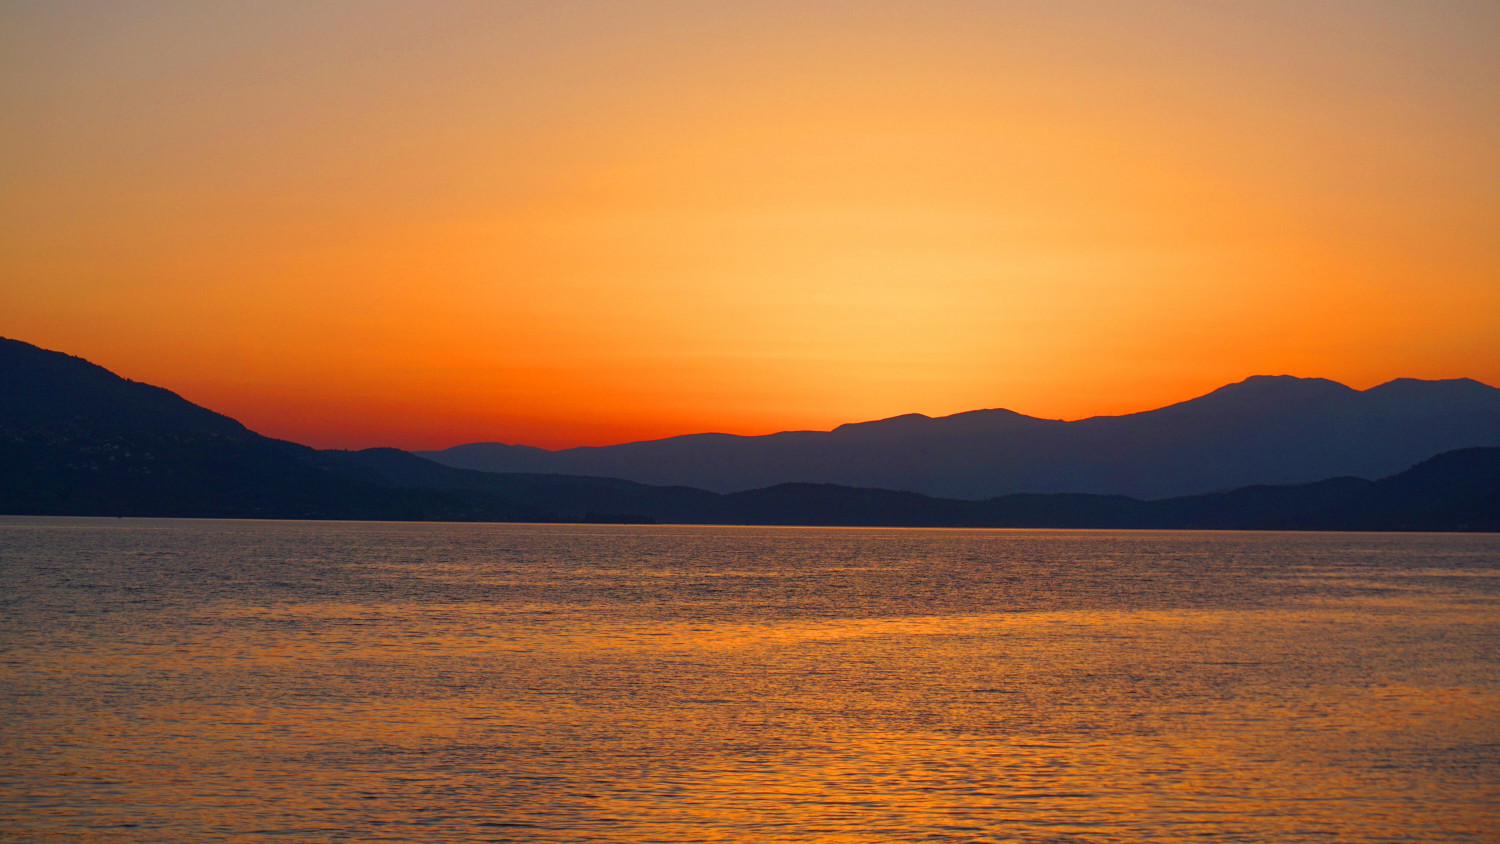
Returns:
(1350, 706)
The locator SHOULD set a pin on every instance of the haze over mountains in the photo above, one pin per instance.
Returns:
(1264, 430)
(76, 439)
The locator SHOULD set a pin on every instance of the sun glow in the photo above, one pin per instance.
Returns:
(567, 226)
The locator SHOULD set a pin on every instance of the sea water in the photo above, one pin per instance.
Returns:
(215, 680)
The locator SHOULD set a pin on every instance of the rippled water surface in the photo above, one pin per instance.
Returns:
(200, 680)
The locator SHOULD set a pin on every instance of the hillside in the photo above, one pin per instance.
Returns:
(76, 439)
(1264, 430)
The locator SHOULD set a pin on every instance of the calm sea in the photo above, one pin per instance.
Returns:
(203, 680)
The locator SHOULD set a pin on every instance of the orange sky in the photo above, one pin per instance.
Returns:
(581, 223)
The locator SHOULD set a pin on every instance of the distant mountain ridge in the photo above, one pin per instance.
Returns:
(76, 439)
(1264, 430)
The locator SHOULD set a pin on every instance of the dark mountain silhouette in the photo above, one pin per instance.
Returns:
(1264, 430)
(1458, 490)
(560, 497)
(76, 439)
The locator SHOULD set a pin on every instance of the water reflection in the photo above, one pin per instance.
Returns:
(199, 680)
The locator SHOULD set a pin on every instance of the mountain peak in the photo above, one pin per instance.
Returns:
(905, 420)
(1402, 386)
(1268, 390)
(55, 391)
(1287, 382)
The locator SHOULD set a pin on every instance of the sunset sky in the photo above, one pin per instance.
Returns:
(568, 223)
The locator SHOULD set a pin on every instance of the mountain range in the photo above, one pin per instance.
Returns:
(1263, 430)
(76, 439)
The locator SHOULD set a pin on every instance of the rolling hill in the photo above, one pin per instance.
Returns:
(1264, 430)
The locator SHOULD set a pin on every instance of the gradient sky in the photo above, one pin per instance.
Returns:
(565, 223)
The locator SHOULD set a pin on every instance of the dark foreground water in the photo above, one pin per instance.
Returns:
(199, 681)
